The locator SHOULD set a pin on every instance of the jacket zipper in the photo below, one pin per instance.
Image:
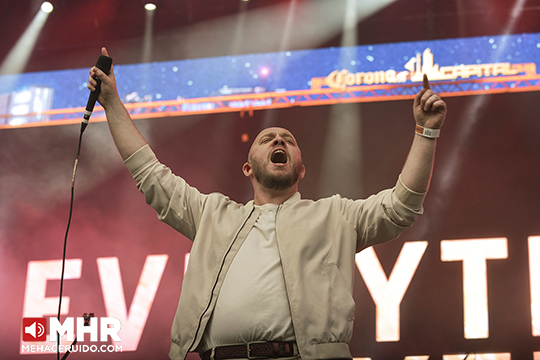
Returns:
(217, 278)
(284, 279)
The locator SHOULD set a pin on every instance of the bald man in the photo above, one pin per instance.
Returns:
(272, 278)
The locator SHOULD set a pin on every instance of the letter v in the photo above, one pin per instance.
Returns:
(132, 324)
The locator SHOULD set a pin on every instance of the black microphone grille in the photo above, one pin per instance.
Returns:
(104, 64)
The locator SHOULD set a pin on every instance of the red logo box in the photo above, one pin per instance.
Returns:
(34, 329)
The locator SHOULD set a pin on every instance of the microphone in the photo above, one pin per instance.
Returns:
(104, 64)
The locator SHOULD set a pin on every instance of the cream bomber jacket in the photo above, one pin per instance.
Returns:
(317, 241)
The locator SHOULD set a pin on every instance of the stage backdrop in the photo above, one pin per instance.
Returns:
(464, 280)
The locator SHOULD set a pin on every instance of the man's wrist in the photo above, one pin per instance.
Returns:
(426, 132)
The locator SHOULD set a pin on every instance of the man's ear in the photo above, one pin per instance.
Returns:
(302, 172)
(246, 168)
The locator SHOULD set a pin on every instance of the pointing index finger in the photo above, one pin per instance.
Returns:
(426, 82)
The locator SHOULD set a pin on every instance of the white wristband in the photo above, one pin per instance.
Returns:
(429, 133)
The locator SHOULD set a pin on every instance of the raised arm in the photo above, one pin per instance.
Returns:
(429, 112)
(126, 136)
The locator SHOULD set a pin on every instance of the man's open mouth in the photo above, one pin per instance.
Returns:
(279, 157)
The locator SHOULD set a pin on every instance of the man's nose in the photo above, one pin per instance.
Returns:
(279, 141)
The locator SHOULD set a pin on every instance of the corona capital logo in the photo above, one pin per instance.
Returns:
(423, 63)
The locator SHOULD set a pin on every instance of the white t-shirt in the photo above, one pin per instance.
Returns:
(252, 303)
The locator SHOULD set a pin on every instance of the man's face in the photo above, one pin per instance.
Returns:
(275, 159)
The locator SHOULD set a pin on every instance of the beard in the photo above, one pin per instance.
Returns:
(278, 182)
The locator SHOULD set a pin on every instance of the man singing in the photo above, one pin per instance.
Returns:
(273, 277)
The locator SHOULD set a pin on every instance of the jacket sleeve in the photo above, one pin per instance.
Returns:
(176, 203)
(383, 216)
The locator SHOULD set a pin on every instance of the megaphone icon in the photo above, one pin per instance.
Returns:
(34, 329)
(31, 330)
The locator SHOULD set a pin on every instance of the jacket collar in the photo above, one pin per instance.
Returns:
(291, 200)
(294, 198)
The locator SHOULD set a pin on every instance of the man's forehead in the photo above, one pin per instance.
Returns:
(273, 131)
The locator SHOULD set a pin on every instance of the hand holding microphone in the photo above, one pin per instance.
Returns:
(104, 64)
(124, 132)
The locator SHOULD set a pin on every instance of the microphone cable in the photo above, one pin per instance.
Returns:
(65, 241)
(104, 64)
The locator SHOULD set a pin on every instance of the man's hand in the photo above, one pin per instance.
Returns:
(125, 134)
(108, 83)
(429, 109)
